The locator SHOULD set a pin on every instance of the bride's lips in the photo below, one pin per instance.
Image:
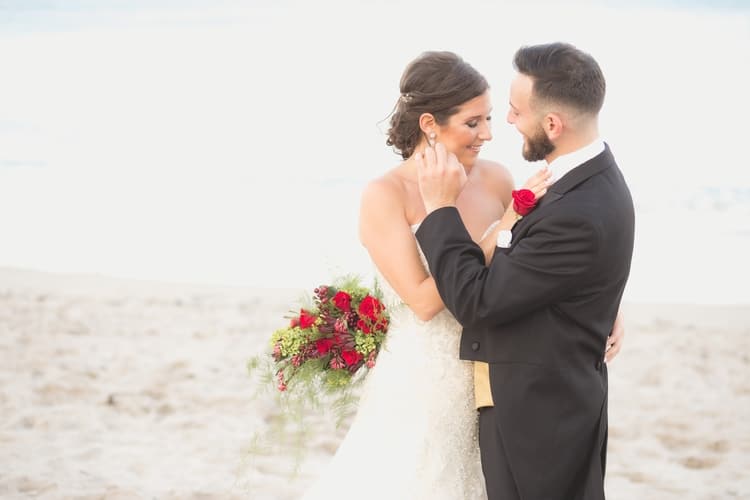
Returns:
(475, 149)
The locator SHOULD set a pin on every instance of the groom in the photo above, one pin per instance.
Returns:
(541, 311)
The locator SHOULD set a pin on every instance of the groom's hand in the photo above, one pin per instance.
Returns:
(614, 341)
(441, 177)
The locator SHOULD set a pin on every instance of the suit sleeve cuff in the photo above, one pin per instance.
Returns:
(432, 223)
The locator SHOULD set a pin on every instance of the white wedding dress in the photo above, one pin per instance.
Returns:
(414, 436)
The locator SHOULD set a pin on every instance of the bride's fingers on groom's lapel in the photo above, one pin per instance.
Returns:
(540, 179)
(539, 189)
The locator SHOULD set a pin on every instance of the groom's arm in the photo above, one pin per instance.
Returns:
(548, 264)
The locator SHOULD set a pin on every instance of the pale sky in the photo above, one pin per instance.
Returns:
(218, 144)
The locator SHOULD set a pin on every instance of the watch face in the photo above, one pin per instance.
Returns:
(504, 238)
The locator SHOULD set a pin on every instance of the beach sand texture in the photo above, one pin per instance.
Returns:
(115, 389)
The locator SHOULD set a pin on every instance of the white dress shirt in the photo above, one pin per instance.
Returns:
(567, 162)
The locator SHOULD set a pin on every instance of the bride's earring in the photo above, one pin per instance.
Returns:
(431, 139)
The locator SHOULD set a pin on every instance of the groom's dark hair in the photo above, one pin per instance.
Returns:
(563, 74)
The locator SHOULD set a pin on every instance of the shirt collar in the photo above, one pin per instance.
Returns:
(567, 162)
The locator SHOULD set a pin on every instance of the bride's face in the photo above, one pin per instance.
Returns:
(468, 129)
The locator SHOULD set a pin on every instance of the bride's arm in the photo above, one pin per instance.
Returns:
(489, 240)
(388, 238)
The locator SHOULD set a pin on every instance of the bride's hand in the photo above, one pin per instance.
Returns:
(539, 182)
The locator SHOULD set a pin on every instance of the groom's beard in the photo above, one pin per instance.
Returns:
(538, 146)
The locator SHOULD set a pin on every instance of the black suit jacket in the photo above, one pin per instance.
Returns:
(540, 314)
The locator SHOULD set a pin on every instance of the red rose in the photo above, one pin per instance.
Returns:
(351, 357)
(362, 325)
(343, 301)
(306, 320)
(524, 201)
(323, 345)
(294, 322)
(370, 307)
(382, 325)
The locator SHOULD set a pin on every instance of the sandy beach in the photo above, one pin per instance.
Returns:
(118, 389)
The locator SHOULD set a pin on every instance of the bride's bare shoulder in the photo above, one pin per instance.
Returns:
(495, 177)
(494, 171)
(385, 191)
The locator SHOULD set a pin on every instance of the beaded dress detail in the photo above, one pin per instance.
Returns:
(414, 436)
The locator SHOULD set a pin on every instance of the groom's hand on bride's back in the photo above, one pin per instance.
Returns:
(441, 177)
(615, 339)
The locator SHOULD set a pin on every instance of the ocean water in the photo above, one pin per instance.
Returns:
(228, 142)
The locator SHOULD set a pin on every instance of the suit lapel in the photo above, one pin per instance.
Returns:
(581, 173)
(548, 198)
(569, 181)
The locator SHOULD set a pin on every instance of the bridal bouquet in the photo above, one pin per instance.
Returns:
(331, 341)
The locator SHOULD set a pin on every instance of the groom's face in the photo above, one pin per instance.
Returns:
(536, 144)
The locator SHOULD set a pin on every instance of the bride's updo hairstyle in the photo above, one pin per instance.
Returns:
(437, 83)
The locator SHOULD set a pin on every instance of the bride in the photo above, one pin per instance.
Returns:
(414, 435)
(415, 432)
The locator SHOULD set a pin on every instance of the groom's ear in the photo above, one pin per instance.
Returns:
(553, 125)
(426, 122)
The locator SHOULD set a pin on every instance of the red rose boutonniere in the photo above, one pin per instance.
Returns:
(524, 201)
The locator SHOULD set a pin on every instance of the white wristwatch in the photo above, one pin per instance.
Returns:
(504, 237)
